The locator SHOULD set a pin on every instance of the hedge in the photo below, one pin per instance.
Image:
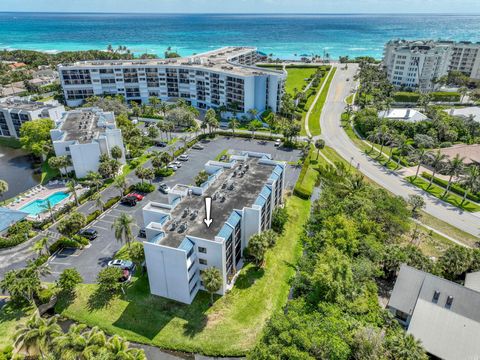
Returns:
(164, 172)
(455, 188)
(144, 187)
(65, 242)
(299, 190)
(248, 136)
(110, 202)
(11, 241)
(412, 97)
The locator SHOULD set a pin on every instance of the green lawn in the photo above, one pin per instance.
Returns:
(296, 78)
(437, 191)
(10, 319)
(48, 173)
(231, 327)
(314, 119)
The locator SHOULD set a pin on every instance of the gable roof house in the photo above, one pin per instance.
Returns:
(443, 315)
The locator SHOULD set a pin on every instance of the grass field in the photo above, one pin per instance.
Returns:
(314, 119)
(437, 191)
(48, 173)
(297, 78)
(10, 319)
(230, 327)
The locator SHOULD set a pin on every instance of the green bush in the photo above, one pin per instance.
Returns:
(110, 202)
(144, 187)
(41, 260)
(163, 172)
(134, 163)
(44, 295)
(20, 227)
(445, 96)
(81, 240)
(93, 216)
(302, 192)
(404, 96)
(12, 240)
(64, 243)
(455, 188)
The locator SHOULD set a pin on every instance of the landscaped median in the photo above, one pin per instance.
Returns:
(314, 119)
(438, 192)
(230, 327)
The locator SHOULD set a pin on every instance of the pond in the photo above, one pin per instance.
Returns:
(16, 169)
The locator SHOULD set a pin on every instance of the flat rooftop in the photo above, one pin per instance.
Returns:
(14, 104)
(219, 59)
(82, 126)
(245, 190)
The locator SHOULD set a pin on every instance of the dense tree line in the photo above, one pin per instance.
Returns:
(355, 237)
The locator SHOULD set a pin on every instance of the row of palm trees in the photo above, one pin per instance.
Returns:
(44, 339)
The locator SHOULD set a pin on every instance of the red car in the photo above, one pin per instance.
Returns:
(136, 196)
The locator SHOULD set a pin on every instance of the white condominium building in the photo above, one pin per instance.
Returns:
(416, 64)
(179, 245)
(223, 77)
(15, 111)
(84, 135)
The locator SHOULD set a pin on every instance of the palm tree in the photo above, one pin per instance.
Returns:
(94, 179)
(95, 342)
(319, 145)
(40, 246)
(403, 147)
(117, 347)
(37, 333)
(454, 169)
(420, 156)
(233, 124)
(3, 188)
(436, 161)
(48, 206)
(123, 228)
(212, 281)
(463, 91)
(253, 113)
(120, 182)
(71, 187)
(98, 201)
(471, 181)
(71, 345)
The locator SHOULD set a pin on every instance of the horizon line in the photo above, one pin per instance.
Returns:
(235, 13)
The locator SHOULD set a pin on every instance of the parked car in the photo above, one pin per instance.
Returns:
(142, 234)
(160, 143)
(183, 157)
(90, 234)
(198, 147)
(223, 157)
(139, 197)
(126, 276)
(178, 164)
(122, 264)
(163, 188)
(129, 200)
(173, 167)
(277, 143)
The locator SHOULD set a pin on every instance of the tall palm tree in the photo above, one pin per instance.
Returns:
(98, 201)
(71, 345)
(403, 147)
(123, 228)
(212, 281)
(454, 169)
(41, 246)
(94, 179)
(120, 182)
(471, 181)
(37, 333)
(233, 124)
(420, 156)
(71, 187)
(3, 188)
(436, 161)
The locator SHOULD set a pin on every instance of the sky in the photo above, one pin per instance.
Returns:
(245, 6)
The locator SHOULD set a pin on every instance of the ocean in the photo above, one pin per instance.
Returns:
(284, 36)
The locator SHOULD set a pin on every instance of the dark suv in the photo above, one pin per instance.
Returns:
(129, 200)
(90, 234)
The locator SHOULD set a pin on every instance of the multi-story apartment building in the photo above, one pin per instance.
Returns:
(179, 245)
(223, 77)
(416, 64)
(84, 135)
(15, 111)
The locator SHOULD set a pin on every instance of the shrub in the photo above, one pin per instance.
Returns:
(144, 187)
(134, 163)
(446, 144)
(163, 172)
(93, 216)
(300, 190)
(21, 227)
(64, 243)
(12, 241)
(45, 294)
(68, 279)
(110, 202)
(201, 178)
(279, 219)
(107, 280)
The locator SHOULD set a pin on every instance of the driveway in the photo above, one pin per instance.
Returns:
(336, 137)
(101, 250)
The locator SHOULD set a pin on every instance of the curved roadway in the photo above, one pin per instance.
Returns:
(336, 138)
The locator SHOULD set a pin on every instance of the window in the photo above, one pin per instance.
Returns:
(436, 296)
(400, 315)
(202, 261)
(202, 250)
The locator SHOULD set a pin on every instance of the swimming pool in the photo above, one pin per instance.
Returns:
(40, 205)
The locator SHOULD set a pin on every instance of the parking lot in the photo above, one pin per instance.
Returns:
(101, 250)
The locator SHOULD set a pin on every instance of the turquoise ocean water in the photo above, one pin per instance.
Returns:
(282, 35)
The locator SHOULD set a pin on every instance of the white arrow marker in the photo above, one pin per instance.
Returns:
(208, 207)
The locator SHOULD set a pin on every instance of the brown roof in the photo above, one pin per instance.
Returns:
(470, 152)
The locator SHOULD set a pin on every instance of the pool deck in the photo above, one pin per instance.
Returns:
(39, 193)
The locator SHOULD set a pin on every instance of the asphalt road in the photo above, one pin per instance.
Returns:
(336, 137)
(90, 260)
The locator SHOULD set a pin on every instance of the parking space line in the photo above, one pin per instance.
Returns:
(100, 227)
(59, 263)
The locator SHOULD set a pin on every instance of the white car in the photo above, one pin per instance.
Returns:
(173, 167)
(278, 142)
(183, 157)
(178, 164)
